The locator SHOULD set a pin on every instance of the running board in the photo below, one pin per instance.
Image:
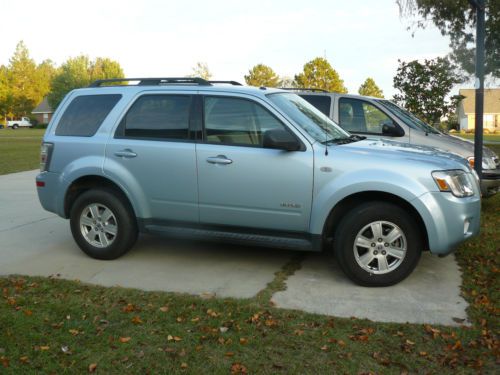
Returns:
(292, 242)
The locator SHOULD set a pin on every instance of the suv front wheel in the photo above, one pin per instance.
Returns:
(103, 224)
(377, 244)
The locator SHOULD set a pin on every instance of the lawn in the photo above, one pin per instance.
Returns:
(49, 325)
(19, 149)
(486, 137)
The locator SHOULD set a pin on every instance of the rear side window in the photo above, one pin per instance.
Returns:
(157, 116)
(85, 114)
(322, 103)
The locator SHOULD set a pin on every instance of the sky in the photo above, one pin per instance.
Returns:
(162, 38)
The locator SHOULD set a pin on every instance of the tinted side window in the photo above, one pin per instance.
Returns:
(157, 116)
(359, 116)
(85, 114)
(322, 103)
(237, 121)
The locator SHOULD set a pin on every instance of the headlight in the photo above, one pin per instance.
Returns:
(488, 163)
(455, 181)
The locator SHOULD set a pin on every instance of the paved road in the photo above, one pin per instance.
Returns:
(35, 242)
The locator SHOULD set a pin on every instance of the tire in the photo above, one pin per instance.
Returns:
(103, 224)
(377, 260)
(15, 126)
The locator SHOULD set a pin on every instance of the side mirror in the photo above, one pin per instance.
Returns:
(390, 129)
(280, 139)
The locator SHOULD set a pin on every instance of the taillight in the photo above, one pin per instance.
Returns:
(45, 154)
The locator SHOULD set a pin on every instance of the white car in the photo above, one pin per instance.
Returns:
(24, 122)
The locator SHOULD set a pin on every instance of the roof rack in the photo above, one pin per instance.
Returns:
(234, 83)
(155, 81)
(303, 89)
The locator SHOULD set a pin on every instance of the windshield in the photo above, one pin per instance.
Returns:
(407, 117)
(313, 121)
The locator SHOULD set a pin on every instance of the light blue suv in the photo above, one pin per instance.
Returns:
(215, 160)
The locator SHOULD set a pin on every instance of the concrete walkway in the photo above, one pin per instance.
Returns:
(35, 242)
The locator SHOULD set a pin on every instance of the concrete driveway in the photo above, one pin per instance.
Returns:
(37, 243)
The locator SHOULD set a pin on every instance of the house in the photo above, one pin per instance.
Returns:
(43, 112)
(467, 109)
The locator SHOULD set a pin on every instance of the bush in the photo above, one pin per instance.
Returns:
(453, 131)
(40, 126)
(486, 131)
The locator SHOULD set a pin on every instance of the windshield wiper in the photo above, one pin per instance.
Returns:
(343, 141)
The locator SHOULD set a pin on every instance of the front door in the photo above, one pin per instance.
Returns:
(242, 184)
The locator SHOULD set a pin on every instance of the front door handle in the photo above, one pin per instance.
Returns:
(219, 159)
(127, 153)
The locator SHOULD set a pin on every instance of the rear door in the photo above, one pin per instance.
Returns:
(153, 154)
(243, 184)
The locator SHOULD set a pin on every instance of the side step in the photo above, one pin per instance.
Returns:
(289, 241)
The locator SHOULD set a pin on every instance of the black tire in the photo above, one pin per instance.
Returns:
(122, 225)
(15, 126)
(387, 217)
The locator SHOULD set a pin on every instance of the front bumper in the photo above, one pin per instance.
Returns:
(490, 183)
(449, 220)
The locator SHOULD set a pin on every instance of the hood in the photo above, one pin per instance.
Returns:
(401, 152)
(468, 145)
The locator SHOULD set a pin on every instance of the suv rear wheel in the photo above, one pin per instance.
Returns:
(102, 224)
(377, 244)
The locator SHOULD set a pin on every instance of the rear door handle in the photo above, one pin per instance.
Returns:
(127, 153)
(219, 159)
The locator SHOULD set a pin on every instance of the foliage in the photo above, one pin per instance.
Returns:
(79, 72)
(424, 86)
(23, 83)
(287, 82)
(201, 70)
(370, 88)
(319, 74)
(262, 76)
(457, 20)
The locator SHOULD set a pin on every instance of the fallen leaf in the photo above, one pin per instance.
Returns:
(298, 332)
(195, 320)
(184, 365)
(5, 361)
(223, 329)
(66, 350)
(243, 341)
(74, 332)
(164, 309)
(129, 308)
(28, 312)
(136, 320)
(24, 359)
(124, 339)
(92, 367)
(44, 348)
(324, 347)
(179, 319)
(238, 368)
(229, 354)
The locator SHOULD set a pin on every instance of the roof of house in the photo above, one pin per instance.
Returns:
(43, 107)
(491, 100)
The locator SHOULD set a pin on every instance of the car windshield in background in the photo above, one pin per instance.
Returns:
(315, 123)
(407, 117)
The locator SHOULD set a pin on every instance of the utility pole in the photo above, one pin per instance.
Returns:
(478, 5)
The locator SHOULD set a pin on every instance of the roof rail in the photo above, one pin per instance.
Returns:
(234, 83)
(303, 89)
(154, 81)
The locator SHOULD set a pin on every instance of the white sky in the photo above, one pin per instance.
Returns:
(360, 38)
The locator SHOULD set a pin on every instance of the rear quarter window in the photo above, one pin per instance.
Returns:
(322, 103)
(85, 114)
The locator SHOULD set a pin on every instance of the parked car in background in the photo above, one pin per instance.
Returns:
(192, 158)
(381, 118)
(23, 122)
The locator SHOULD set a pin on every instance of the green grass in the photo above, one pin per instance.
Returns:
(48, 325)
(19, 149)
(486, 137)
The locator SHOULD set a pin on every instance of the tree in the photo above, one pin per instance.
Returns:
(424, 87)
(262, 75)
(370, 88)
(319, 74)
(287, 82)
(79, 72)
(22, 80)
(201, 70)
(457, 20)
